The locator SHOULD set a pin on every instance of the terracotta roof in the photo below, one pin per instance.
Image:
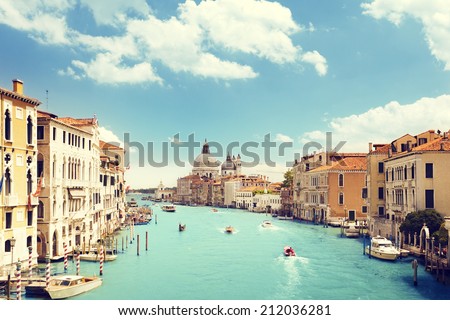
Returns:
(439, 144)
(381, 149)
(78, 122)
(44, 114)
(109, 146)
(348, 163)
(21, 97)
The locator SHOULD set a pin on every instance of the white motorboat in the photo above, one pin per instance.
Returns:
(266, 224)
(168, 208)
(67, 286)
(351, 231)
(94, 256)
(382, 248)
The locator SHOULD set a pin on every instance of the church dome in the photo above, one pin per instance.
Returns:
(205, 159)
(228, 164)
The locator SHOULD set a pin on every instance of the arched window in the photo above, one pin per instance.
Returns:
(341, 198)
(7, 125)
(341, 180)
(405, 173)
(40, 165)
(29, 130)
(29, 182)
(8, 182)
(413, 171)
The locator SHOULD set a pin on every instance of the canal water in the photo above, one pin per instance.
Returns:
(205, 263)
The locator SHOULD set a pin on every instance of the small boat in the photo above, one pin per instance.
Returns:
(351, 231)
(94, 256)
(168, 208)
(289, 251)
(404, 253)
(181, 227)
(229, 229)
(266, 224)
(132, 203)
(67, 286)
(214, 210)
(382, 248)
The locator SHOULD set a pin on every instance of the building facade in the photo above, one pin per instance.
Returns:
(18, 179)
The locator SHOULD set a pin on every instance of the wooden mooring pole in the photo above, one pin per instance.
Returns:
(414, 266)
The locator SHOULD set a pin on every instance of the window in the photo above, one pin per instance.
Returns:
(40, 210)
(7, 182)
(381, 211)
(392, 174)
(429, 199)
(364, 193)
(387, 176)
(341, 180)
(29, 182)
(405, 173)
(413, 171)
(30, 218)
(380, 193)
(54, 134)
(40, 132)
(29, 130)
(428, 170)
(7, 125)
(380, 167)
(8, 220)
(64, 137)
(364, 209)
(422, 141)
(341, 198)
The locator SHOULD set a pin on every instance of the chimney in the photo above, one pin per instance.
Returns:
(389, 152)
(18, 86)
(370, 147)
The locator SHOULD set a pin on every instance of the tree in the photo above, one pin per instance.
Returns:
(442, 235)
(414, 221)
(288, 179)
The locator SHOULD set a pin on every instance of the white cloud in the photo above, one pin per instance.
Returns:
(386, 123)
(201, 39)
(109, 136)
(317, 60)
(107, 12)
(283, 138)
(433, 14)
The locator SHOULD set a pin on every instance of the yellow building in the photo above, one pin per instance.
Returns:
(18, 177)
(384, 218)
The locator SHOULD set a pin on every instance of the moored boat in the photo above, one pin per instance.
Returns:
(181, 227)
(382, 248)
(289, 251)
(94, 256)
(67, 286)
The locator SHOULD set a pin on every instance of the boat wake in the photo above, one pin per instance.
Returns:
(293, 279)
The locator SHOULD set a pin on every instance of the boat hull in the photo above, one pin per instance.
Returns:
(63, 292)
(96, 257)
(383, 255)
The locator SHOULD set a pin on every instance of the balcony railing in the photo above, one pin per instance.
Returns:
(12, 200)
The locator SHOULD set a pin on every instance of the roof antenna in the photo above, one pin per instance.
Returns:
(46, 93)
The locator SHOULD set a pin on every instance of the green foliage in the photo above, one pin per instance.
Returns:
(415, 220)
(288, 179)
(442, 235)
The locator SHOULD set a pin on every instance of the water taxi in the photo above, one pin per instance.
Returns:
(229, 229)
(289, 251)
(168, 208)
(266, 224)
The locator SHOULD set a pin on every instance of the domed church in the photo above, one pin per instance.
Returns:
(231, 166)
(205, 165)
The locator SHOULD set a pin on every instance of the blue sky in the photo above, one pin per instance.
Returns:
(234, 71)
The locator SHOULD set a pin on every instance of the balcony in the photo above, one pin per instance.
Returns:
(34, 201)
(12, 200)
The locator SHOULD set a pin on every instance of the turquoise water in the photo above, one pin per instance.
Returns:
(205, 263)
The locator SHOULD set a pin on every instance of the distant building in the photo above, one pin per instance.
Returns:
(164, 194)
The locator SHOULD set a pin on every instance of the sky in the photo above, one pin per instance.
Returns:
(264, 79)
